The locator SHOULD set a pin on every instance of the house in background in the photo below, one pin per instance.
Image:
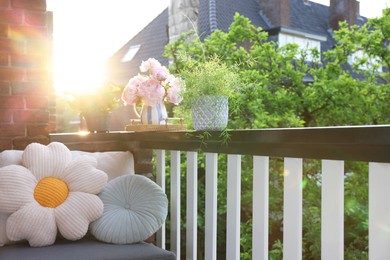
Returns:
(300, 21)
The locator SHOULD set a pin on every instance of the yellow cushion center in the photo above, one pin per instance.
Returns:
(51, 192)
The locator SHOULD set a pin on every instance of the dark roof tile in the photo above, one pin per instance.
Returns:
(225, 11)
(307, 17)
(151, 39)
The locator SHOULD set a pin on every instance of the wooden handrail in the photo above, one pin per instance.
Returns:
(356, 143)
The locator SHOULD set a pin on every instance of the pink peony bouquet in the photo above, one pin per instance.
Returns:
(156, 86)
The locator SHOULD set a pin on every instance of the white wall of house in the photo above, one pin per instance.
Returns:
(303, 42)
(368, 62)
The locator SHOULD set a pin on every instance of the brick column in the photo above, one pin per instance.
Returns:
(277, 11)
(343, 10)
(26, 89)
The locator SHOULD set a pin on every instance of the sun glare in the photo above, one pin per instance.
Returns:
(86, 36)
(82, 77)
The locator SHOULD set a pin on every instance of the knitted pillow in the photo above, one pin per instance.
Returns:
(50, 191)
(113, 163)
(3, 233)
(134, 209)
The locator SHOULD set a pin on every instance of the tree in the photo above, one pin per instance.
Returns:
(276, 95)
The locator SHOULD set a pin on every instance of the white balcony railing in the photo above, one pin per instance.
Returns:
(333, 146)
(369, 144)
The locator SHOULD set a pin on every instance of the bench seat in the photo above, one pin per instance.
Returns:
(85, 249)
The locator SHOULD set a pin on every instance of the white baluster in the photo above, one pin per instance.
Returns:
(292, 214)
(160, 179)
(332, 210)
(233, 207)
(379, 211)
(260, 207)
(211, 206)
(192, 205)
(175, 202)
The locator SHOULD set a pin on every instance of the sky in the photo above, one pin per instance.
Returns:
(88, 32)
(368, 8)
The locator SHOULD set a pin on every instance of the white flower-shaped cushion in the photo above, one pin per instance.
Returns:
(134, 209)
(50, 191)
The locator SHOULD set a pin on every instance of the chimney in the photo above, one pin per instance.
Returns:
(277, 11)
(183, 17)
(343, 10)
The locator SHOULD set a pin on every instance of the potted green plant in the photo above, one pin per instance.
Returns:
(95, 107)
(209, 85)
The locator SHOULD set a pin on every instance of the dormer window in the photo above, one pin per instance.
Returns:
(304, 40)
(131, 53)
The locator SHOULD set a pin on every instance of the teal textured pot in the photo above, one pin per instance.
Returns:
(210, 113)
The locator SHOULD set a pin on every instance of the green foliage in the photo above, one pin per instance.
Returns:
(278, 94)
(212, 77)
(351, 99)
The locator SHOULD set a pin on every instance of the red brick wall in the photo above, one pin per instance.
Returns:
(277, 11)
(343, 10)
(26, 90)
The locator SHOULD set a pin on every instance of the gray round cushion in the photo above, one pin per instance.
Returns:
(134, 209)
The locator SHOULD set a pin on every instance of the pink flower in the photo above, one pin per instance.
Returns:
(154, 86)
(173, 95)
(149, 65)
(160, 73)
(176, 86)
(130, 93)
(151, 91)
(175, 82)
